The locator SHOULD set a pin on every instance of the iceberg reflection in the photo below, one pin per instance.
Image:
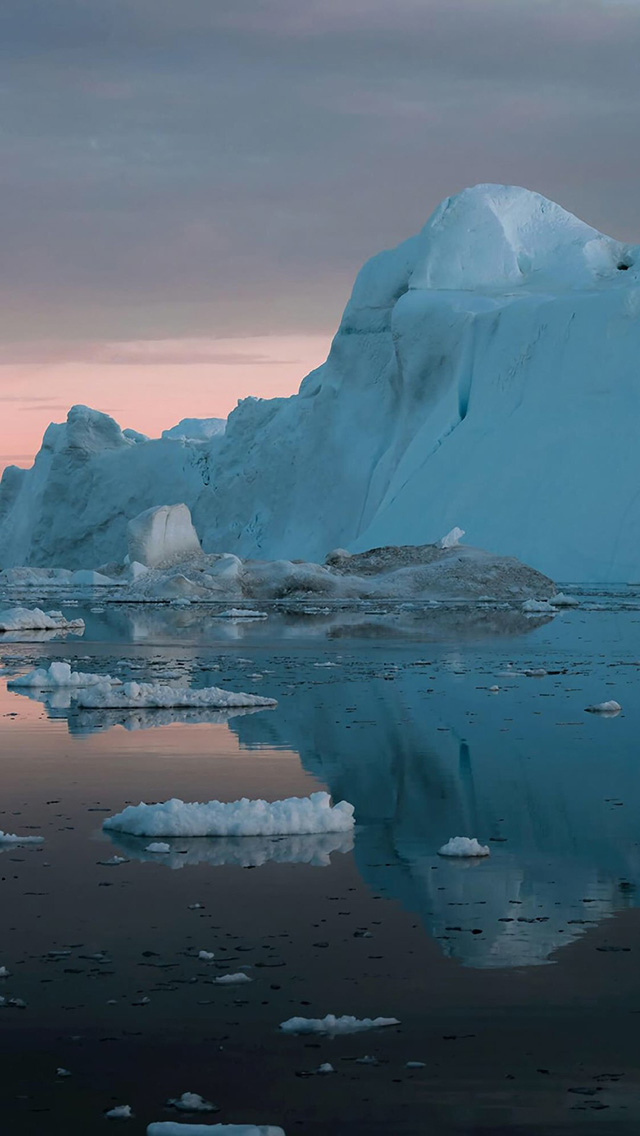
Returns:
(237, 851)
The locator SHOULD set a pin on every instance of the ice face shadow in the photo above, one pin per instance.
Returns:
(239, 851)
(422, 769)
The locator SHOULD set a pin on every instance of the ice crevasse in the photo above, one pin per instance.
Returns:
(484, 374)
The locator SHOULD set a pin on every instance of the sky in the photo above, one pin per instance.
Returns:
(188, 187)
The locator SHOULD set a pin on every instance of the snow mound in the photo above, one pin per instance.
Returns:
(26, 619)
(59, 675)
(161, 535)
(156, 694)
(295, 815)
(335, 1026)
(462, 355)
(464, 846)
(169, 1128)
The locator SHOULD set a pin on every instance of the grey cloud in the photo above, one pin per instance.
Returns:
(201, 168)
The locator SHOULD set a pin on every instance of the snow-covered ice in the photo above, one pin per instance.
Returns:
(120, 1112)
(34, 619)
(161, 695)
(464, 846)
(334, 1026)
(295, 815)
(60, 675)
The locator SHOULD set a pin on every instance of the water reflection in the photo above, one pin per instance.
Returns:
(565, 853)
(239, 851)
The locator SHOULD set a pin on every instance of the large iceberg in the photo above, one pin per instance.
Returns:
(483, 375)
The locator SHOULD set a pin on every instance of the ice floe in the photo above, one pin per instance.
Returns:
(34, 619)
(60, 675)
(295, 815)
(156, 694)
(464, 846)
(334, 1026)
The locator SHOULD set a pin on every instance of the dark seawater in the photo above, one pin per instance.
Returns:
(515, 979)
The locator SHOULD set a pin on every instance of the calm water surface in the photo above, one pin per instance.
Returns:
(515, 979)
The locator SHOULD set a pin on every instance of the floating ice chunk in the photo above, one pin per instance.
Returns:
(238, 979)
(170, 1128)
(120, 1112)
(562, 600)
(206, 956)
(192, 1102)
(58, 675)
(538, 607)
(333, 1025)
(326, 1067)
(159, 846)
(494, 689)
(27, 619)
(60, 1072)
(452, 538)
(416, 1065)
(295, 815)
(536, 672)
(463, 846)
(4, 973)
(609, 708)
(368, 1059)
(113, 862)
(12, 838)
(162, 696)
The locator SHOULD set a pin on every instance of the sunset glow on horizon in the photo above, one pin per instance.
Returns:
(147, 385)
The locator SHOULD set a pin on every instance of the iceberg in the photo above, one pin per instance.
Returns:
(297, 816)
(60, 676)
(463, 355)
(26, 619)
(335, 1026)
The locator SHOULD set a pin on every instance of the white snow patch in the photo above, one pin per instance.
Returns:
(334, 1026)
(295, 815)
(463, 846)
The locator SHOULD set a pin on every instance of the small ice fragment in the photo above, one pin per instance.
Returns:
(60, 1072)
(192, 1102)
(206, 956)
(326, 1067)
(4, 973)
(195, 906)
(494, 689)
(538, 607)
(416, 1065)
(452, 538)
(158, 846)
(610, 707)
(562, 600)
(536, 672)
(233, 979)
(333, 1025)
(120, 1112)
(463, 846)
(112, 862)
(298, 816)
(366, 1060)
(12, 838)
